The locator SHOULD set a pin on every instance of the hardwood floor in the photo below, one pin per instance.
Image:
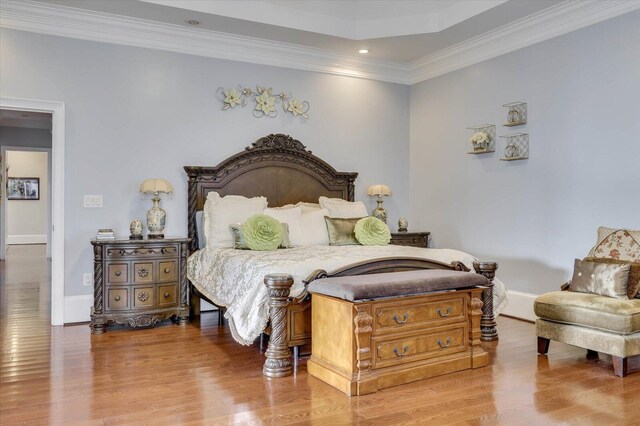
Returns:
(198, 375)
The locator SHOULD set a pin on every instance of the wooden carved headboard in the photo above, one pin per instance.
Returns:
(275, 166)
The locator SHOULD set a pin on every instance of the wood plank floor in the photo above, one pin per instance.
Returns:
(198, 375)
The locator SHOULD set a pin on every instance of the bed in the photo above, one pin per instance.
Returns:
(285, 172)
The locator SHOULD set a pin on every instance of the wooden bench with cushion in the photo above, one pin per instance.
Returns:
(380, 330)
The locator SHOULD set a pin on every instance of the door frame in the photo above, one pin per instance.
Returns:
(57, 110)
(3, 208)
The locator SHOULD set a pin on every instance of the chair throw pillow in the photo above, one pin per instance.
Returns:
(342, 231)
(621, 244)
(633, 284)
(600, 278)
(371, 231)
(262, 232)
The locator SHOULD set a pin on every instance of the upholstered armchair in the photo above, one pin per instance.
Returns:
(609, 324)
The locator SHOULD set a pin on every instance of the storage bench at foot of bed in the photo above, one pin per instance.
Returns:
(360, 347)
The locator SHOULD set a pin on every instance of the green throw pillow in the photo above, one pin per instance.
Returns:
(371, 231)
(240, 244)
(341, 231)
(262, 232)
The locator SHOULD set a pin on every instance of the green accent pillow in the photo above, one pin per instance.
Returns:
(371, 231)
(262, 232)
(241, 244)
(341, 231)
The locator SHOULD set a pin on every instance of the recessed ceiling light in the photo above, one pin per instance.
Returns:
(363, 51)
(193, 22)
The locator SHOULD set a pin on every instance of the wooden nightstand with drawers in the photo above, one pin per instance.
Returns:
(414, 239)
(139, 282)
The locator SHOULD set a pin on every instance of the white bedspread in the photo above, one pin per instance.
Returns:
(234, 278)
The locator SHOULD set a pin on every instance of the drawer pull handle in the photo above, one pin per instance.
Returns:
(163, 250)
(117, 298)
(143, 272)
(404, 351)
(444, 345)
(118, 273)
(446, 314)
(167, 270)
(403, 320)
(143, 296)
(122, 252)
(166, 295)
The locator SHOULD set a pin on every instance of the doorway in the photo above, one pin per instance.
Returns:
(55, 188)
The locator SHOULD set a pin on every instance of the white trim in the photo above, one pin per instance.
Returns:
(56, 195)
(26, 239)
(77, 308)
(83, 24)
(552, 22)
(520, 305)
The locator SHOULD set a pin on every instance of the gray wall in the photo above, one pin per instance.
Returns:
(533, 216)
(134, 113)
(21, 136)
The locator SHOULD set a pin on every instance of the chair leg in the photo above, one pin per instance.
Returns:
(543, 345)
(619, 366)
(592, 355)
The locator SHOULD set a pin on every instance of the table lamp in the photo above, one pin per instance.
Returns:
(156, 217)
(380, 191)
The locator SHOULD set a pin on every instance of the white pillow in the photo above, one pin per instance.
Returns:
(292, 217)
(342, 209)
(308, 207)
(314, 228)
(221, 212)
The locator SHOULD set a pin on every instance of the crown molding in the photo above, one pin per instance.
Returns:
(82, 24)
(555, 21)
(44, 18)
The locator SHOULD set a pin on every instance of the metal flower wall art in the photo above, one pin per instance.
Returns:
(265, 101)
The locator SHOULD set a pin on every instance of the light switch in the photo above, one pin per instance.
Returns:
(93, 201)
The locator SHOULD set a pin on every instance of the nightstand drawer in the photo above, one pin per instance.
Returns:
(414, 239)
(117, 273)
(167, 271)
(167, 295)
(143, 250)
(144, 297)
(143, 272)
(117, 298)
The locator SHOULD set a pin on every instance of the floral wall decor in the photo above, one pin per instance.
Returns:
(265, 101)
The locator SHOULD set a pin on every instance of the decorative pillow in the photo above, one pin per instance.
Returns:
(371, 231)
(241, 244)
(600, 278)
(262, 232)
(339, 208)
(314, 228)
(633, 285)
(621, 244)
(221, 212)
(292, 217)
(342, 231)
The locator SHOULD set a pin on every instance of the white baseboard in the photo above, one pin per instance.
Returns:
(26, 239)
(520, 305)
(77, 308)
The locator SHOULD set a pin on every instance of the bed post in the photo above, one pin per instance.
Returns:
(278, 363)
(488, 321)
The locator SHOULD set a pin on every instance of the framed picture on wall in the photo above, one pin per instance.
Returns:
(23, 188)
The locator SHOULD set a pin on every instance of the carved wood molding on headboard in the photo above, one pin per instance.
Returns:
(276, 152)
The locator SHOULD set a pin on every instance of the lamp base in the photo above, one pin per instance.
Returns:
(380, 212)
(155, 236)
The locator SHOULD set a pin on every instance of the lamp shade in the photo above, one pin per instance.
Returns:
(379, 190)
(151, 186)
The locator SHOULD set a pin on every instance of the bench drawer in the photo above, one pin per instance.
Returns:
(416, 314)
(395, 350)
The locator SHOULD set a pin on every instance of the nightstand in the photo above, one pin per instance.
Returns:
(414, 239)
(139, 282)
